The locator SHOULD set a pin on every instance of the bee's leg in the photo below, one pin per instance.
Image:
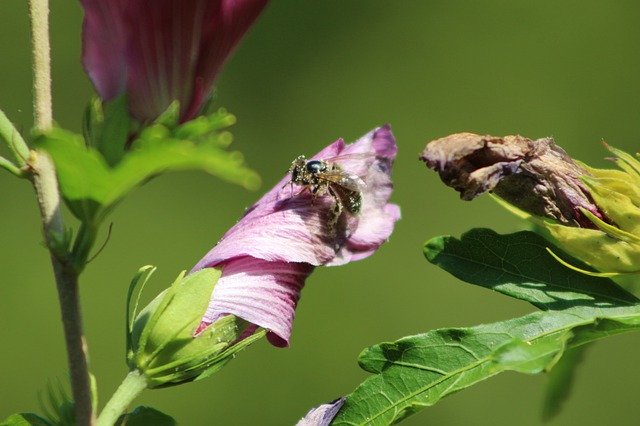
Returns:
(313, 189)
(317, 190)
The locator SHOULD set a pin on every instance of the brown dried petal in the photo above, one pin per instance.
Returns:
(535, 176)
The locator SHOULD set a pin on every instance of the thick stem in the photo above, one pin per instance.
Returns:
(129, 389)
(46, 185)
(39, 15)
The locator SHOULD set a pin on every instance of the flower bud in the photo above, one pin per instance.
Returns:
(162, 343)
(593, 214)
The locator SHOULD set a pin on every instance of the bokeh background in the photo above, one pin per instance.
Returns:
(309, 72)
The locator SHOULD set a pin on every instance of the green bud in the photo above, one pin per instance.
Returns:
(161, 342)
(613, 247)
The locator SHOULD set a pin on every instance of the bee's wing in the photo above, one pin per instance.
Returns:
(354, 156)
(349, 181)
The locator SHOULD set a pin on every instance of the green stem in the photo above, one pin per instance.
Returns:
(10, 167)
(10, 135)
(129, 389)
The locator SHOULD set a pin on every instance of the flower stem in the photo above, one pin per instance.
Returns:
(39, 15)
(129, 389)
(46, 186)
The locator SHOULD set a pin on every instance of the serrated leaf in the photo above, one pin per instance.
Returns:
(417, 371)
(519, 265)
(91, 186)
(25, 419)
(146, 416)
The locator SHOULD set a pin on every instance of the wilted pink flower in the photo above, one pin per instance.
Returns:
(266, 257)
(322, 415)
(160, 51)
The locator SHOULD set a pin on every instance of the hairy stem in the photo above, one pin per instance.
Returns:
(46, 186)
(39, 15)
(129, 389)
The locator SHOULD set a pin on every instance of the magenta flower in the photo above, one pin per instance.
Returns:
(161, 51)
(266, 257)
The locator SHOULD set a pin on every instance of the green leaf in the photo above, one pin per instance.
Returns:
(146, 416)
(58, 406)
(91, 186)
(25, 419)
(561, 380)
(519, 265)
(417, 371)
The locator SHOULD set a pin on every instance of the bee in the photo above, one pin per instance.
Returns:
(323, 177)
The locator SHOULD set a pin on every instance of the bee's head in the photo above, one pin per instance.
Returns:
(315, 166)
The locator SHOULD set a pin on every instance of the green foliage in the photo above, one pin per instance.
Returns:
(145, 416)
(417, 371)
(25, 419)
(94, 178)
(58, 406)
(520, 266)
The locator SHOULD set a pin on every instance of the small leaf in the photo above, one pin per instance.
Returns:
(25, 419)
(417, 371)
(146, 416)
(519, 265)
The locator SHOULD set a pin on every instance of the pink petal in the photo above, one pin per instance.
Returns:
(266, 257)
(291, 226)
(104, 36)
(322, 415)
(163, 52)
(223, 31)
(261, 292)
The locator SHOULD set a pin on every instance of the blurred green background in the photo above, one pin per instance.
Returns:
(309, 72)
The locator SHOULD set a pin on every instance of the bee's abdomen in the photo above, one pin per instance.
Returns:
(354, 202)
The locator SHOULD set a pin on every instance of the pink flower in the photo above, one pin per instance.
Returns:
(160, 51)
(322, 415)
(266, 257)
